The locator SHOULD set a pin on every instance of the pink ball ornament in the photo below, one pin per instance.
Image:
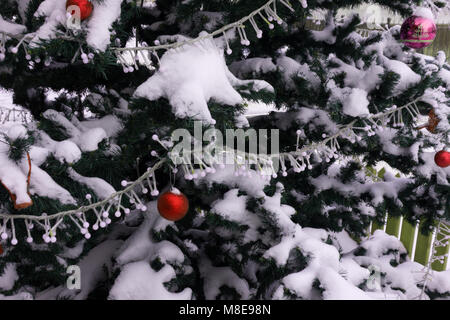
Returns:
(418, 32)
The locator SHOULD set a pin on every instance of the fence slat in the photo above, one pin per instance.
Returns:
(407, 236)
(376, 226)
(393, 226)
(423, 247)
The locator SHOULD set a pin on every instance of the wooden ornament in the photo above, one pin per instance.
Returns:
(433, 122)
(20, 206)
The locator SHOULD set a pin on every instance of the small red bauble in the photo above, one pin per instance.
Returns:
(1, 250)
(173, 205)
(442, 159)
(418, 32)
(85, 6)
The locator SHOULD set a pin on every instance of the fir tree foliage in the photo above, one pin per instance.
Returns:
(289, 237)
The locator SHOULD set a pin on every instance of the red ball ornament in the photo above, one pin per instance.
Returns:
(173, 205)
(442, 159)
(85, 6)
(418, 32)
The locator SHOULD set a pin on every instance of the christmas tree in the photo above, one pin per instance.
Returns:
(147, 168)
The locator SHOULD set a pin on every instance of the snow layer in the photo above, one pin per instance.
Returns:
(138, 281)
(9, 277)
(190, 76)
(99, 24)
(85, 139)
(11, 28)
(101, 188)
(253, 183)
(92, 269)
(378, 190)
(54, 12)
(216, 277)
(423, 12)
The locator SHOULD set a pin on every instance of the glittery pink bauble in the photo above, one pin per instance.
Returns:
(418, 32)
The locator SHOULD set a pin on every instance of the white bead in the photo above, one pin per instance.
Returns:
(108, 221)
(29, 239)
(118, 214)
(14, 241)
(102, 224)
(155, 137)
(143, 208)
(88, 196)
(53, 239)
(95, 227)
(124, 183)
(4, 235)
(83, 231)
(86, 224)
(155, 193)
(229, 51)
(127, 211)
(87, 235)
(105, 214)
(14, 50)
